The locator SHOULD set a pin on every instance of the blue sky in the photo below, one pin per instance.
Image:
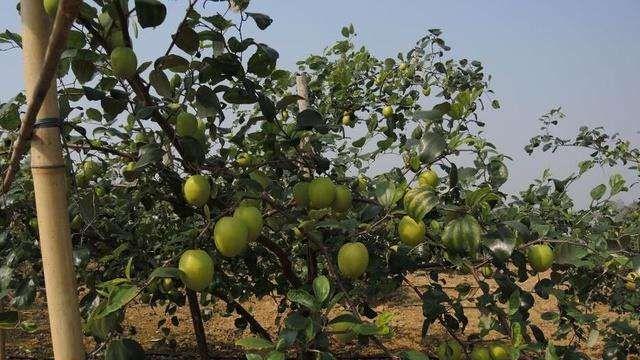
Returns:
(581, 55)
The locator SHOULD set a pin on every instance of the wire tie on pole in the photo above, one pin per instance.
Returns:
(47, 123)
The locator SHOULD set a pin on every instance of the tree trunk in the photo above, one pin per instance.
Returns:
(49, 183)
(198, 327)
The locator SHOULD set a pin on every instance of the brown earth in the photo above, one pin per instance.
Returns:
(221, 332)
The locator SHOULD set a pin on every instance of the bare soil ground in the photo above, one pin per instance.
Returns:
(221, 332)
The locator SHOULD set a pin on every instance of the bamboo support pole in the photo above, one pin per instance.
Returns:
(302, 88)
(48, 171)
(3, 349)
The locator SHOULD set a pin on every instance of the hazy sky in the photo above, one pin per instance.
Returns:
(581, 55)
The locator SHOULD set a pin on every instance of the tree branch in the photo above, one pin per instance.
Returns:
(67, 12)
(254, 325)
(283, 257)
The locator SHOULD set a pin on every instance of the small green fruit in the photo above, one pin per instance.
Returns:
(51, 7)
(540, 257)
(346, 120)
(230, 236)
(343, 199)
(411, 232)
(252, 218)
(462, 236)
(301, 194)
(76, 223)
(186, 124)
(100, 192)
(353, 259)
(33, 223)
(428, 178)
(499, 351)
(630, 280)
(244, 159)
(197, 190)
(487, 271)
(322, 192)
(124, 62)
(129, 171)
(91, 168)
(197, 266)
(167, 285)
(480, 353)
(387, 112)
(140, 138)
(82, 179)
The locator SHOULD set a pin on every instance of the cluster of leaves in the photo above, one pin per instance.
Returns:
(130, 222)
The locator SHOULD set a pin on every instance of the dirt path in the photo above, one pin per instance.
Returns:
(222, 333)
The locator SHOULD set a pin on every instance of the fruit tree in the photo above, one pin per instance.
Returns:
(195, 177)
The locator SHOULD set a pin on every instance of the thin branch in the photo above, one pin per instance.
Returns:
(254, 325)
(67, 12)
(102, 149)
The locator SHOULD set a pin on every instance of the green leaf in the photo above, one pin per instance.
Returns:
(10, 116)
(388, 194)
(28, 326)
(366, 329)
(166, 272)
(238, 95)
(172, 62)
(428, 115)
(149, 154)
(124, 349)
(413, 355)
(569, 254)
(550, 353)
(83, 70)
(276, 355)
(254, 343)
(8, 319)
(321, 288)
(118, 298)
(262, 21)
(8, 37)
(311, 119)
(160, 82)
(303, 298)
(151, 13)
(287, 100)
(296, 321)
(430, 147)
(514, 302)
(263, 61)
(598, 191)
(616, 183)
(187, 40)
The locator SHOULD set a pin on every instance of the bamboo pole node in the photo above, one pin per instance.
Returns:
(47, 122)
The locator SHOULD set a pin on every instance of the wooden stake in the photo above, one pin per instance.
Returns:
(49, 183)
(302, 88)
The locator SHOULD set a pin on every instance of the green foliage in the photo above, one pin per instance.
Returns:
(131, 221)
